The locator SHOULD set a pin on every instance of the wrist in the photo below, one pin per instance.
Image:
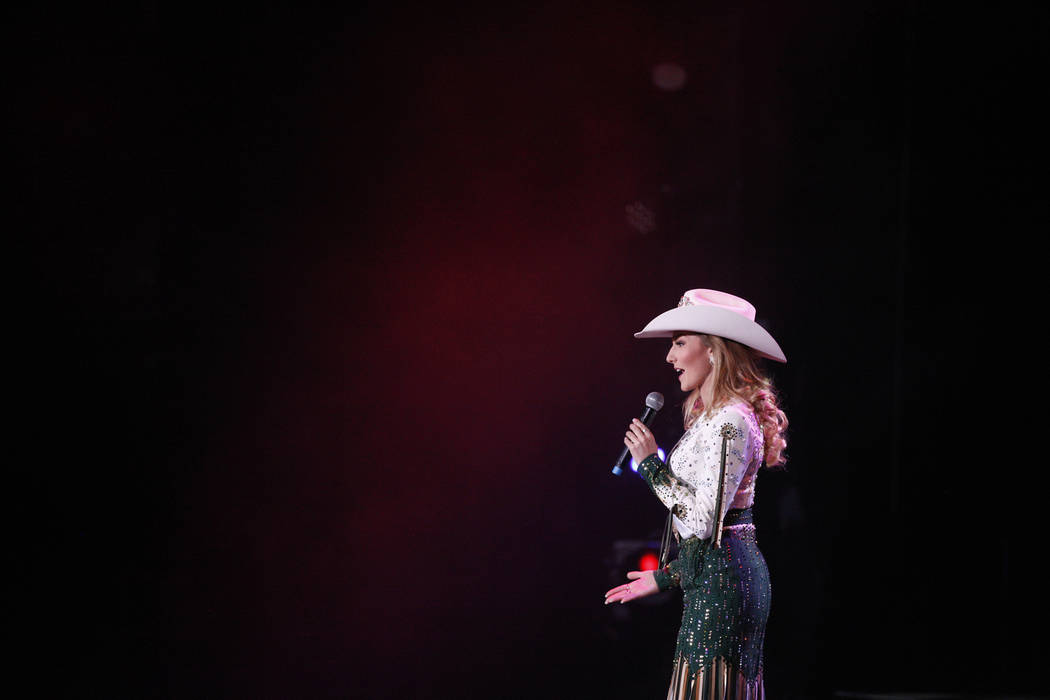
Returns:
(650, 466)
(665, 578)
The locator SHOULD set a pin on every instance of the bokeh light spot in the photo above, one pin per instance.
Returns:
(669, 76)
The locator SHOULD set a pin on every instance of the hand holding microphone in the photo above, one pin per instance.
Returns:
(639, 441)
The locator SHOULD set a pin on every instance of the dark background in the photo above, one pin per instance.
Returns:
(328, 339)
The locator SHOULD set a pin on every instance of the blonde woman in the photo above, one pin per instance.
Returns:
(733, 426)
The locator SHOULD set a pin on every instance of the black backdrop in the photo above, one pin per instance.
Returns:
(329, 339)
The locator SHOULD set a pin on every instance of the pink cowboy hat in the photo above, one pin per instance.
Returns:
(715, 313)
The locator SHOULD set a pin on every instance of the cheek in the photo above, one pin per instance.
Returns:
(703, 366)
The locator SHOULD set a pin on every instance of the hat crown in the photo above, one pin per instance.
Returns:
(721, 300)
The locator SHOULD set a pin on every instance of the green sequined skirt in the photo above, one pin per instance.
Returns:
(725, 606)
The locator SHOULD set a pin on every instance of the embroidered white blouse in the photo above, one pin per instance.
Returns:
(689, 489)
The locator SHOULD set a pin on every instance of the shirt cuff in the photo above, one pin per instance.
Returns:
(666, 578)
(651, 467)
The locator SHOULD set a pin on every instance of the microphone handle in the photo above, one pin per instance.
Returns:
(647, 419)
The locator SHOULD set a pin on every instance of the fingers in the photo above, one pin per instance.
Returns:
(638, 430)
(637, 434)
(624, 593)
(620, 594)
(641, 584)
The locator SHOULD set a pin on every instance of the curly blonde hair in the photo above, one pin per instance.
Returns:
(738, 377)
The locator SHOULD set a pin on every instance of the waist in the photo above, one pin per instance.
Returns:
(738, 516)
(735, 519)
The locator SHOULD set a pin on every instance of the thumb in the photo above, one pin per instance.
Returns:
(635, 574)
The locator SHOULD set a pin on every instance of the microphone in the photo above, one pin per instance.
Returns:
(653, 403)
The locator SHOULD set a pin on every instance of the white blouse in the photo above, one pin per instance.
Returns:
(690, 489)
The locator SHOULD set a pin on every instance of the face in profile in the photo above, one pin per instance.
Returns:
(691, 359)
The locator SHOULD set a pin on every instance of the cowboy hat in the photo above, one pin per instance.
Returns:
(715, 313)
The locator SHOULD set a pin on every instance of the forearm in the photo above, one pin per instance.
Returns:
(672, 491)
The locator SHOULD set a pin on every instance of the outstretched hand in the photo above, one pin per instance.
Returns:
(642, 583)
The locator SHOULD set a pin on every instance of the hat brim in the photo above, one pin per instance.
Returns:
(714, 321)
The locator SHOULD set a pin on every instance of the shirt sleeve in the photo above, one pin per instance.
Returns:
(694, 503)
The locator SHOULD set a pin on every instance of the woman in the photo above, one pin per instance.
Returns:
(732, 426)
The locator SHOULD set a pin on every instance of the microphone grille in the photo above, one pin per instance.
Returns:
(655, 400)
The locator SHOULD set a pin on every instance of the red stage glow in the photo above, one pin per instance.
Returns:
(648, 562)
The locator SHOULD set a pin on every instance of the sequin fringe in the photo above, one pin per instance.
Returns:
(719, 680)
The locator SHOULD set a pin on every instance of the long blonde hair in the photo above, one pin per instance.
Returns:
(738, 377)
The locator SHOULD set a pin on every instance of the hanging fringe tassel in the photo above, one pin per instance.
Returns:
(718, 680)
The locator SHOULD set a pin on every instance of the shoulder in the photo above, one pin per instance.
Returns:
(735, 412)
(738, 415)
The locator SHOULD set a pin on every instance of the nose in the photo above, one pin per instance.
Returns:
(670, 355)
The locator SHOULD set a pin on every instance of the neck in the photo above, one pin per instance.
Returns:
(707, 392)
